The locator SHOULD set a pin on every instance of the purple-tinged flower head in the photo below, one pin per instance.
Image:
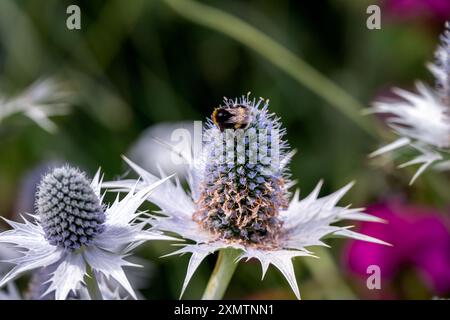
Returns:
(70, 212)
(421, 241)
(244, 183)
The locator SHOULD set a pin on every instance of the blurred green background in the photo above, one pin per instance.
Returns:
(138, 63)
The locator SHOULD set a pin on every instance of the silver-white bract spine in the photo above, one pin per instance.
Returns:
(441, 66)
(40, 101)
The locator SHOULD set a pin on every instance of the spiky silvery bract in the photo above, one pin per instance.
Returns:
(70, 212)
(73, 232)
(422, 119)
(441, 67)
(242, 190)
(242, 203)
(38, 284)
(41, 100)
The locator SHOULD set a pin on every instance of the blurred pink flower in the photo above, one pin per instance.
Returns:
(420, 238)
(435, 9)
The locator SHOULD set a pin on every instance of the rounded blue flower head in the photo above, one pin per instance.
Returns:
(71, 214)
(244, 182)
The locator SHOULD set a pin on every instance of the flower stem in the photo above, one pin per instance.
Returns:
(92, 286)
(327, 275)
(276, 54)
(221, 275)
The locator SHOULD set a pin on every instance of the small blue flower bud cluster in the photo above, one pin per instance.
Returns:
(71, 213)
(241, 198)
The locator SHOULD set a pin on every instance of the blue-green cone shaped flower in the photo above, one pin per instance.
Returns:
(70, 211)
(239, 196)
(244, 184)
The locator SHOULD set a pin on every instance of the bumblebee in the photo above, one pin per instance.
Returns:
(234, 117)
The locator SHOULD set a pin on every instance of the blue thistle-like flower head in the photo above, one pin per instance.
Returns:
(73, 233)
(239, 180)
(244, 180)
(70, 212)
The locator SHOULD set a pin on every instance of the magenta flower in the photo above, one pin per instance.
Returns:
(435, 9)
(421, 241)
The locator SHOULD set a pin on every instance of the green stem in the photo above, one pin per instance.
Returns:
(327, 275)
(92, 286)
(278, 55)
(221, 275)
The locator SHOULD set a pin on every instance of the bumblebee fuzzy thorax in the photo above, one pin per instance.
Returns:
(236, 116)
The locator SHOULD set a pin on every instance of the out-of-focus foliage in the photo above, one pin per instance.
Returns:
(137, 63)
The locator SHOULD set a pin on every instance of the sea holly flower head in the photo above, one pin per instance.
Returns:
(242, 201)
(75, 235)
(422, 120)
(69, 210)
(243, 190)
